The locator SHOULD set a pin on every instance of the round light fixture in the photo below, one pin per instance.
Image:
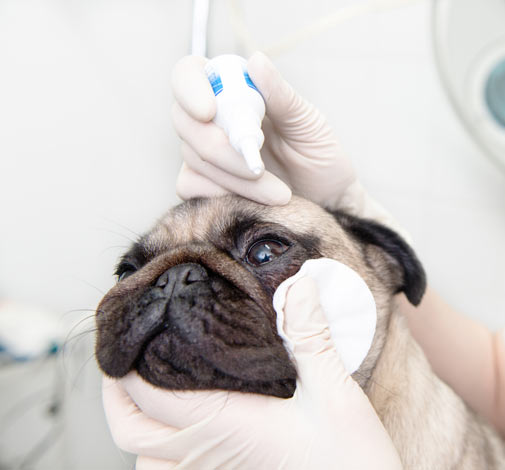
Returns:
(469, 43)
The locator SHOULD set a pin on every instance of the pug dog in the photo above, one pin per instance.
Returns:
(192, 310)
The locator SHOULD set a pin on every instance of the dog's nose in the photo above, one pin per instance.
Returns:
(182, 275)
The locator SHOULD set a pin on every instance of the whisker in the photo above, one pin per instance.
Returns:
(73, 386)
(70, 345)
(373, 381)
(76, 310)
(80, 322)
(78, 336)
(119, 234)
(122, 247)
(72, 339)
(121, 225)
(89, 284)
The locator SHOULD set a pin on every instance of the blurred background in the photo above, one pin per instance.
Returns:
(88, 160)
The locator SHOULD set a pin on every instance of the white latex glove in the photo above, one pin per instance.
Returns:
(328, 423)
(299, 148)
(300, 153)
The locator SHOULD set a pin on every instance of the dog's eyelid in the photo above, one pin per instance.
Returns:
(265, 233)
(269, 236)
(125, 266)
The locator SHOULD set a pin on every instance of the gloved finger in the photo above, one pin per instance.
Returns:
(284, 106)
(182, 409)
(192, 88)
(191, 184)
(210, 143)
(305, 324)
(150, 463)
(131, 429)
(321, 371)
(177, 408)
(136, 432)
(268, 189)
(279, 95)
(281, 100)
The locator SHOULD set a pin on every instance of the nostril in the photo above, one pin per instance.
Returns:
(163, 280)
(195, 273)
(182, 275)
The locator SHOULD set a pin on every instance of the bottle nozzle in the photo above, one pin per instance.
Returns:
(251, 153)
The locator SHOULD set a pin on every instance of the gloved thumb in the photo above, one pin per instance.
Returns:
(192, 89)
(321, 371)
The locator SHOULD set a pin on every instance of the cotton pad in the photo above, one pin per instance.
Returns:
(347, 302)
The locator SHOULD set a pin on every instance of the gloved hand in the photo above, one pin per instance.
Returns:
(300, 153)
(299, 148)
(328, 423)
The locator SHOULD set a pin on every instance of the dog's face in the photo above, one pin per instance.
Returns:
(193, 305)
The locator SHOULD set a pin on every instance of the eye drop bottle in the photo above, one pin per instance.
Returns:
(240, 107)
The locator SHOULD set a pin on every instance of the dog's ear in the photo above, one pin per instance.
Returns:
(396, 255)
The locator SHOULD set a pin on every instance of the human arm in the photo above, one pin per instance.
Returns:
(463, 352)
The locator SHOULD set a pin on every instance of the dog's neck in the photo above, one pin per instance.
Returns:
(428, 423)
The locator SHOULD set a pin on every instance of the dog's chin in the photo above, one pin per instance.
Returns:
(189, 371)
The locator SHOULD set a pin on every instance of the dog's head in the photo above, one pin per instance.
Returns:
(193, 305)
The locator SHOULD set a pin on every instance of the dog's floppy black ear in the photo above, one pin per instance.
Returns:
(412, 281)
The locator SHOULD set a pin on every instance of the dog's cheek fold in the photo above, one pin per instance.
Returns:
(116, 349)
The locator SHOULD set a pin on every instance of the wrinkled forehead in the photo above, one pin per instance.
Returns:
(218, 220)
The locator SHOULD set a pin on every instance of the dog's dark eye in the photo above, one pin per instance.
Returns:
(265, 251)
(124, 270)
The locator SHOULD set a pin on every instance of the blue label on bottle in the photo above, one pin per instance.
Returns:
(249, 81)
(216, 84)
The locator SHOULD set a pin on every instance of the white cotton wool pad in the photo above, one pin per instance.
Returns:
(347, 302)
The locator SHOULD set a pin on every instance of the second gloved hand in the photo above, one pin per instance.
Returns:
(328, 423)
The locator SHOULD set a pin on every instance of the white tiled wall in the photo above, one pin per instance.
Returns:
(88, 157)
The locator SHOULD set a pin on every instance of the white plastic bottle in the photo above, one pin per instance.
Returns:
(240, 107)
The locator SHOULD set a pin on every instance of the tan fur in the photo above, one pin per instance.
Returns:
(430, 425)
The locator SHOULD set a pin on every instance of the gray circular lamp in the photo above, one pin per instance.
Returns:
(469, 43)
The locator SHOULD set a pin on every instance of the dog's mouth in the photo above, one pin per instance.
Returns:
(194, 329)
